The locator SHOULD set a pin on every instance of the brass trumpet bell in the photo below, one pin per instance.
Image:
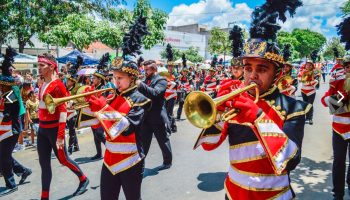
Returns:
(201, 109)
(51, 103)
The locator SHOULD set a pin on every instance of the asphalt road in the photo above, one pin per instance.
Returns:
(194, 174)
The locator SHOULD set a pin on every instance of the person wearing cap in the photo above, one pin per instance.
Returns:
(171, 89)
(308, 88)
(171, 96)
(236, 69)
(124, 156)
(287, 88)
(51, 135)
(72, 87)
(11, 108)
(98, 83)
(185, 86)
(122, 120)
(265, 137)
(211, 82)
(337, 71)
(339, 107)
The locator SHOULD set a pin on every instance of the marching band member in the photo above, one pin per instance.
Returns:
(98, 82)
(308, 88)
(170, 92)
(11, 107)
(51, 135)
(184, 88)
(236, 68)
(285, 84)
(124, 157)
(341, 128)
(211, 82)
(72, 87)
(265, 137)
(337, 72)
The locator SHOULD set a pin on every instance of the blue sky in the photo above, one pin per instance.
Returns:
(317, 15)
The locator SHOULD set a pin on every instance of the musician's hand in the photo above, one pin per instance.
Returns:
(60, 143)
(246, 108)
(138, 82)
(88, 89)
(97, 103)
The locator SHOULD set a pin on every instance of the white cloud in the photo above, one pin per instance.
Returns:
(210, 12)
(316, 15)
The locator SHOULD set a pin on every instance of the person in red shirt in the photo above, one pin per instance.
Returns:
(51, 134)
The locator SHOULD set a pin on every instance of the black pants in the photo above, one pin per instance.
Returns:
(8, 164)
(324, 77)
(169, 105)
(73, 139)
(340, 149)
(99, 138)
(162, 137)
(47, 138)
(130, 180)
(179, 110)
(309, 99)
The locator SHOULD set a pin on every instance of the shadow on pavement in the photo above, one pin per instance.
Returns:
(150, 172)
(211, 182)
(84, 160)
(312, 180)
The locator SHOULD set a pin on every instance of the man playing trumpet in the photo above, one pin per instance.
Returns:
(265, 137)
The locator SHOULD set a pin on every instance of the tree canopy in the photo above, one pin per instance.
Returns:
(334, 42)
(192, 54)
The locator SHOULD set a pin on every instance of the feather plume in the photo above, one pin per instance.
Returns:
(8, 61)
(343, 30)
(237, 39)
(132, 41)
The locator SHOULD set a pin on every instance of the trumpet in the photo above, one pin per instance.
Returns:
(284, 82)
(201, 109)
(51, 103)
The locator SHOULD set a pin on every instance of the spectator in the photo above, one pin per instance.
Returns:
(32, 105)
(324, 72)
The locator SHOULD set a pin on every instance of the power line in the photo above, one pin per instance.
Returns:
(224, 12)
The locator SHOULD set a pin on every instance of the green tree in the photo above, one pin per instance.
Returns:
(156, 21)
(76, 28)
(110, 34)
(334, 42)
(346, 8)
(219, 42)
(284, 38)
(28, 18)
(176, 52)
(4, 23)
(192, 54)
(308, 41)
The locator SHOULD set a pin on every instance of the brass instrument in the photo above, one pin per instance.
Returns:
(284, 79)
(305, 77)
(165, 74)
(51, 103)
(201, 109)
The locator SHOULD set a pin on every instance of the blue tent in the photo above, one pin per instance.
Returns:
(72, 57)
